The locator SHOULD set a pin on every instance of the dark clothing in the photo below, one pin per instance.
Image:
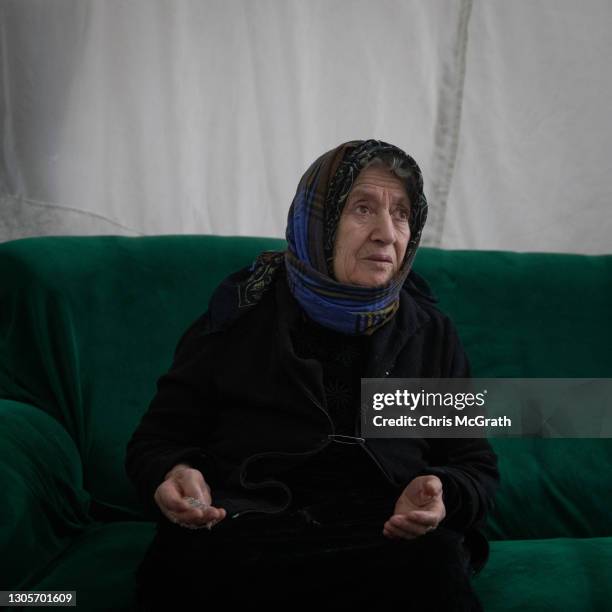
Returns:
(289, 562)
(246, 406)
(343, 360)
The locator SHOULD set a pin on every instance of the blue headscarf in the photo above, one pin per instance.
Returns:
(312, 224)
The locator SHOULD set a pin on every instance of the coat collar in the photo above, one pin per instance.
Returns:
(385, 343)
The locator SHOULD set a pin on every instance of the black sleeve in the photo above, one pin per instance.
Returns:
(467, 467)
(175, 424)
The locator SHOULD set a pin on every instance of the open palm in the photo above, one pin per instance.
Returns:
(419, 509)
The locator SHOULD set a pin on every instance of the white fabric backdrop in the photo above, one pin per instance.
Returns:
(153, 117)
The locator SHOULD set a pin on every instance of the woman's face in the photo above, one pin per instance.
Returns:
(373, 231)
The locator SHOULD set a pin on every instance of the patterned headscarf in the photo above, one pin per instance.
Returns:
(312, 224)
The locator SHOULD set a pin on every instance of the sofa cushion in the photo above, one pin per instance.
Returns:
(44, 505)
(545, 575)
(99, 565)
(552, 488)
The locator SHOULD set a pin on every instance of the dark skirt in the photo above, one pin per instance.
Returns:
(311, 556)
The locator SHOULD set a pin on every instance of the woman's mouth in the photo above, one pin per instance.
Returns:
(380, 259)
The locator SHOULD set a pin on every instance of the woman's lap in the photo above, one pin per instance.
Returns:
(289, 561)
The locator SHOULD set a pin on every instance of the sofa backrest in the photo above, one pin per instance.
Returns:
(87, 325)
(536, 315)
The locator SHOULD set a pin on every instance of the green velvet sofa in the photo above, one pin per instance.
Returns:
(88, 324)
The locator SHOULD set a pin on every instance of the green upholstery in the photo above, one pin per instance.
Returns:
(569, 574)
(87, 325)
(44, 503)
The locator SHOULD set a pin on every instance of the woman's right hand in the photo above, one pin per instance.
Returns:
(182, 482)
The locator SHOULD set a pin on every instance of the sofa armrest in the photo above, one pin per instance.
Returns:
(43, 501)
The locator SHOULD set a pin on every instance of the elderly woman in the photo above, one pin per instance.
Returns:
(250, 456)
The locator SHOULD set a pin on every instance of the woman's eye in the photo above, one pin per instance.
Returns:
(402, 214)
(362, 209)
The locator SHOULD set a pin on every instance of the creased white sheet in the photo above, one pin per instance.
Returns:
(146, 117)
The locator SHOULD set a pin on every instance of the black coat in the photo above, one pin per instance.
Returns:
(241, 406)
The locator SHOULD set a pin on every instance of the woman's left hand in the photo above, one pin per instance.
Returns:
(418, 510)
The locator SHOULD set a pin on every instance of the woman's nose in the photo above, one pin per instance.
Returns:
(384, 229)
